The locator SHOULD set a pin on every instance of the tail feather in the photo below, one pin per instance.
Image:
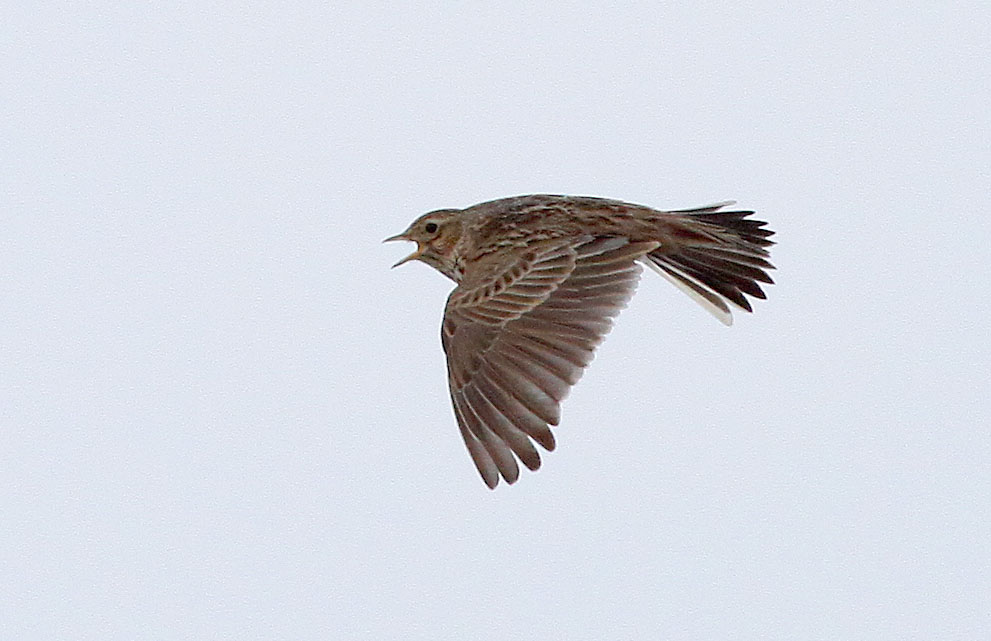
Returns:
(716, 261)
(701, 294)
(748, 229)
(723, 263)
(705, 209)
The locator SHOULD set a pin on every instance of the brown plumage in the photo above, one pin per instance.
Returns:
(540, 279)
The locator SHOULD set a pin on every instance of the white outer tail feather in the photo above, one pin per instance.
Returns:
(722, 314)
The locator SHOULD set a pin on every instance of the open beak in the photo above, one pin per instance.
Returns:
(401, 236)
(413, 256)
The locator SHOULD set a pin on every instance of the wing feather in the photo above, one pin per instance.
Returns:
(499, 452)
(520, 337)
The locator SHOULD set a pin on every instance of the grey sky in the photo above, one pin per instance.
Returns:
(223, 416)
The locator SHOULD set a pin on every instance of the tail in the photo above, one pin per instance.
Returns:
(716, 257)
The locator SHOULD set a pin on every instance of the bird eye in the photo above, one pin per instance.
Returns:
(430, 228)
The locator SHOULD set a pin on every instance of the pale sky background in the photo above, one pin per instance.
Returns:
(224, 416)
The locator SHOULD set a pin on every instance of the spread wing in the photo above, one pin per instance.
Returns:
(518, 338)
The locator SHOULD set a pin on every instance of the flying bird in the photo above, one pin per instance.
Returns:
(540, 279)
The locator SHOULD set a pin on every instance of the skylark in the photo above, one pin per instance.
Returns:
(540, 279)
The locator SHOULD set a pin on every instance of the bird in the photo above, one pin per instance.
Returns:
(540, 279)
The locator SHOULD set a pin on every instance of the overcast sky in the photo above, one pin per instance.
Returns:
(223, 416)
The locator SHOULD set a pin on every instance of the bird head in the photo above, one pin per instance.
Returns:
(435, 234)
